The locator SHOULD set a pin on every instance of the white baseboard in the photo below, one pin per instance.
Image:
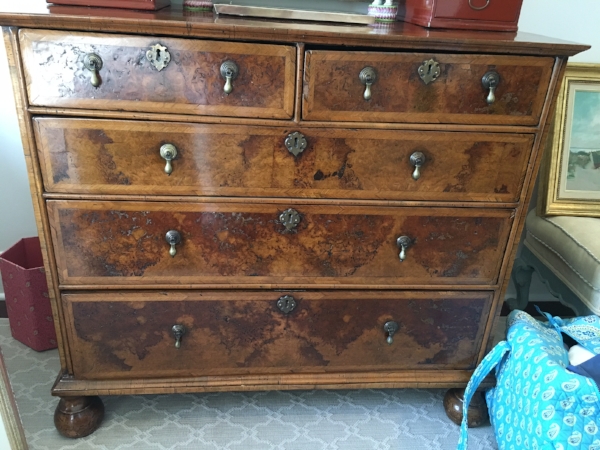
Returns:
(2, 296)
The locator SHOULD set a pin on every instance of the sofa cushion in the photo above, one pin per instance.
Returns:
(570, 248)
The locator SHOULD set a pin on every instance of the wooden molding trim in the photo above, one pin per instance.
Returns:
(9, 412)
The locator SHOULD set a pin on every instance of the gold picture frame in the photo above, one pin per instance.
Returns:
(570, 177)
(9, 413)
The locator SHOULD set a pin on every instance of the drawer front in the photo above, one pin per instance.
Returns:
(124, 157)
(130, 335)
(191, 82)
(334, 91)
(230, 244)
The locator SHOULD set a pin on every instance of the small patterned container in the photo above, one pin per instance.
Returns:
(383, 12)
(195, 5)
(26, 291)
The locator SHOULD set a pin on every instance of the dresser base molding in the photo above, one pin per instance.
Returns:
(66, 385)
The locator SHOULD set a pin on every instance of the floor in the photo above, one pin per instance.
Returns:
(308, 420)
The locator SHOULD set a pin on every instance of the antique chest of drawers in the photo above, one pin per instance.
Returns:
(228, 204)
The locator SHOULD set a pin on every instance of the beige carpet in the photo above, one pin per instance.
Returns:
(411, 419)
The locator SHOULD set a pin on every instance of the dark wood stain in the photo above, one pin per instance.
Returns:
(237, 243)
(120, 338)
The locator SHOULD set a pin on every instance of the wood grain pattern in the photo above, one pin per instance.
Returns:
(124, 243)
(333, 91)
(129, 335)
(122, 157)
(190, 84)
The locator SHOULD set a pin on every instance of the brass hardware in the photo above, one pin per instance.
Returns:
(417, 159)
(367, 76)
(403, 242)
(479, 8)
(490, 81)
(159, 56)
(168, 152)
(229, 71)
(290, 218)
(429, 71)
(178, 332)
(173, 238)
(93, 63)
(286, 304)
(390, 328)
(295, 143)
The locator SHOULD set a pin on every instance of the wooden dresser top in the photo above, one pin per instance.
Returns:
(173, 21)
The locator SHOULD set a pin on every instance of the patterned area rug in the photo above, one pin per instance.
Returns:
(286, 420)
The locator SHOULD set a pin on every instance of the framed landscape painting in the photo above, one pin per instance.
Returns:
(570, 180)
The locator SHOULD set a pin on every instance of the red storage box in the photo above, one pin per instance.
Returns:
(495, 15)
(124, 4)
(26, 291)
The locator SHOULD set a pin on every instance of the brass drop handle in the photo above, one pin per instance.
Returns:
(93, 63)
(178, 332)
(403, 243)
(417, 159)
(367, 76)
(390, 328)
(490, 81)
(168, 152)
(173, 238)
(229, 71)
(479, 8)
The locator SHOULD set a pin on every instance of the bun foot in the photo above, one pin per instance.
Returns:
(77, 417)
(453, 404)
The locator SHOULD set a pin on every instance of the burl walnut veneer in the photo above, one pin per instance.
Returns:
(231, 204)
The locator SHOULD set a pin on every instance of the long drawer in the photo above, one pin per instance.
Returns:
(158, 74)
(132, 335)
(424, 87)
(125, 243)
(124, 157)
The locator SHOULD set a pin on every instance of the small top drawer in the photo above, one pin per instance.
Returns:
(156, 74)
(425, 88)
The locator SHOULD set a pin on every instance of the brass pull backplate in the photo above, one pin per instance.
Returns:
(367, 76)
(173, 238)
(168, 152)
(490, 81)
(178, 332)
(229, 71)
(417, 159)
(403, 242)
(390, 328)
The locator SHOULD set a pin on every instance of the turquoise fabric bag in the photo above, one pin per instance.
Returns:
(537, 403)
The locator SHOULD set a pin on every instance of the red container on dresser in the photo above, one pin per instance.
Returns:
(124, 4)
(495, 15)
(27, 302)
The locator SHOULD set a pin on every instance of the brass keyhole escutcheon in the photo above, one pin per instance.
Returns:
(229, 71)
(417, 159)
(290, 218)
(296, 143)
(93, 63)
(429, 71)
(159, 56)
(490, 81)
(367, 76)
(286, 304)
(168, 152)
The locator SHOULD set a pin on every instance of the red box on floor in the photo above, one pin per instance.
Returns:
(26, 291)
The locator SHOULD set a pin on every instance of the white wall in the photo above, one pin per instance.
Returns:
(574, 20)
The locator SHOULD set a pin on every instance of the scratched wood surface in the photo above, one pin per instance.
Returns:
(126, 335)
(333, 90)
(190, 84)
(121, 243)
(122, 157)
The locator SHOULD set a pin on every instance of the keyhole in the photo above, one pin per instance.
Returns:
(158, 55)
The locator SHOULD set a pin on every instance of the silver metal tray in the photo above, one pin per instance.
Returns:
(293, 14)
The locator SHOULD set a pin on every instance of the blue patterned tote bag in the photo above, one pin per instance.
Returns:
(537, 402)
